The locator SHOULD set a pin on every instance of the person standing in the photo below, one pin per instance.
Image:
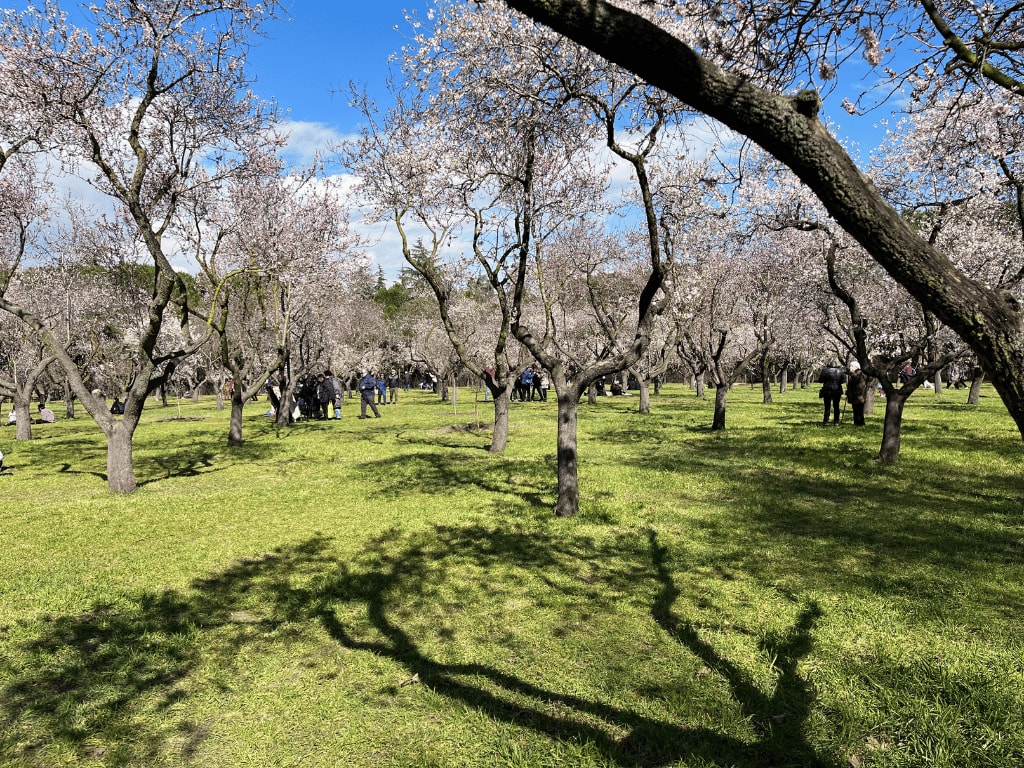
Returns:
(393, 384)
(336, 393)
(382, 390)
(525, 384)
(831, 379)
(535, 383)
(324, 397)
(367, 390)
(856, 393)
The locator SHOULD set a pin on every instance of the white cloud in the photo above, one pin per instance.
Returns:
(307, 140)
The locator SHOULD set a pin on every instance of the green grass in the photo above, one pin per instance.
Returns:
(386, 593)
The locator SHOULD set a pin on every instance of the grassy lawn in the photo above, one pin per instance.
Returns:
(386, 593)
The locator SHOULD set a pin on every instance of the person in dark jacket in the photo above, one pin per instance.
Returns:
(393, 384)
(831, 379)
(324, 397)
(857, 393)
(307, 395)
(367, 390)
(336, 392)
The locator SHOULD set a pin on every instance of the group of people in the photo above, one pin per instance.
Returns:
(532, 384)
(46, 416)
(318, 396)
(832, 379)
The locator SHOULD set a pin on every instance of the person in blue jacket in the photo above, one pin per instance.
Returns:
(367, 391)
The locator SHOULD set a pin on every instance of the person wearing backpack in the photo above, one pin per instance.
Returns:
(831, 392)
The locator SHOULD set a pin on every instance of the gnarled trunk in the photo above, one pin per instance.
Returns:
(120, 464)
(974, 393)
(568, 503)
(235, 424)
(23, 429)
(645, 394)
(892, 428)
(499, 440)
(766, 390)
(721, 393)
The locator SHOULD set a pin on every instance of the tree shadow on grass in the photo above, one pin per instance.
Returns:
(780, 718)
(101, 683)
(852, 529)
(113, 684)
(435, 473)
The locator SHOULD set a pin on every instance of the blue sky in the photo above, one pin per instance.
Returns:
(306, 63)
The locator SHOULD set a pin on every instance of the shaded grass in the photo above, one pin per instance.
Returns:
(387, 593)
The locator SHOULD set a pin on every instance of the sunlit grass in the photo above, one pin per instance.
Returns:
(386, 592)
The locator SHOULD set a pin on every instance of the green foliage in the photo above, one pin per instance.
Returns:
(386, 592)
(392, 299)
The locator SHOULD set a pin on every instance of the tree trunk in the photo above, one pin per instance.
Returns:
(890, 450)
(974, 393)
(721, 392)
(869, 396)
(568, 503)
(784, 381)
(645, 394)
(499, 441)
(766, 390)
(235, 424)
(23, 429)
(69, 402)
(120, 465)
(700, 385)
(938, 382)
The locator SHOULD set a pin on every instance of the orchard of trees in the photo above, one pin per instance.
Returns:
(627, 189)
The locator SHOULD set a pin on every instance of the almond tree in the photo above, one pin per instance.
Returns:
(266, 244)
(22, 216)
(448, 162)
(974, 49)
(22, 364)
(620, 107)
(896, 331)
(714, 332)
(138, 102)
